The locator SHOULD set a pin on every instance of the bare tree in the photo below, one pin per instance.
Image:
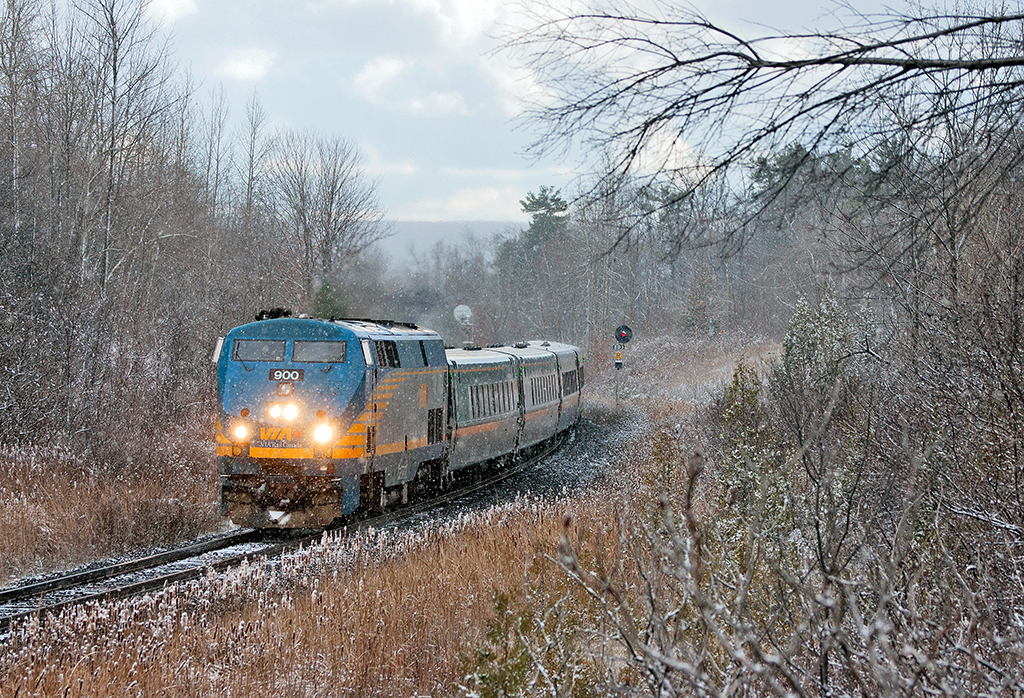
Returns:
(669, 91)
(349, 215)
(257, 151)
(329, 203)
(17, 25)
(217, 153)
(132, 74)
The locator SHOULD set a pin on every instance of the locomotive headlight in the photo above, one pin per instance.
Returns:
(291, 411)
(322, 433)
(241, 432)
(274, 411)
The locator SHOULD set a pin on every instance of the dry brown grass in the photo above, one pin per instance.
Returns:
(57, 511)
(377, 614)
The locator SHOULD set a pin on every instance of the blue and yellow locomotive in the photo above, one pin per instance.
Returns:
(321, 418)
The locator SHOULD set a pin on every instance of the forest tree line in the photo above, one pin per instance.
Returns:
(137, 225)
(140, 220)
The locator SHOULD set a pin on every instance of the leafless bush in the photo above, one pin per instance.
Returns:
(693, 617)
(816, 549)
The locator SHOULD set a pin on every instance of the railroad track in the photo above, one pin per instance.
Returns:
(153, 572)
(121, 579)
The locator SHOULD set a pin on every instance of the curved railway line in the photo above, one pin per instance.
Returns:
(152, 572)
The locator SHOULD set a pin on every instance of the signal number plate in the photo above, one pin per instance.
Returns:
(286, 374)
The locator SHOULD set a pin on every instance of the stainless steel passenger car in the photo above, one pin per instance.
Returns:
(320, 418)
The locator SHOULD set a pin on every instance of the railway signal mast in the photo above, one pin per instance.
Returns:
(622, 335)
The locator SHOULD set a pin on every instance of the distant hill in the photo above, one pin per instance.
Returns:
(421, 235)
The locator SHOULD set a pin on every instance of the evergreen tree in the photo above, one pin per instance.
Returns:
(549, 217)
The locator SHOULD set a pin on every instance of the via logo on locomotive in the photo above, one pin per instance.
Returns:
(321, 418)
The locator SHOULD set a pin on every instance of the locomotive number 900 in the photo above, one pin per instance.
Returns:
(286, 374)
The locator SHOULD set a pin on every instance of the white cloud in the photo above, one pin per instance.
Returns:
(378, 75)
(405, 168)
(377, 165)
(462, 33)
(786, 49)
(439, 104)
(482, 204)
(506, 174)
(462, 23)
(169, 11)
(459, 23)
(381, 75)
(515, 86)
(247, 64)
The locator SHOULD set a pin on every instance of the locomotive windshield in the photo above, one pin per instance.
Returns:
(319, 352)
(258, 350)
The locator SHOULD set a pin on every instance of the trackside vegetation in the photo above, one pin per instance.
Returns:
(826, 561)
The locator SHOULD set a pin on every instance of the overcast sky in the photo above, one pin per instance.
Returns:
(415, 84)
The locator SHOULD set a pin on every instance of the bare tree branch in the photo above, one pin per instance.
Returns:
(670, 93)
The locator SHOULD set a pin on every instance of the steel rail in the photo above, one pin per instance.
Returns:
(76, 579)
(152, 584)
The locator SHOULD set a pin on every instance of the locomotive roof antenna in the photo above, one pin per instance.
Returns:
(464, 316)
